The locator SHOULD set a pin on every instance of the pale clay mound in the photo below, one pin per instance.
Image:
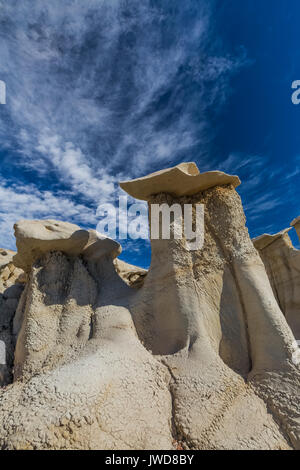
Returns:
(194, 354)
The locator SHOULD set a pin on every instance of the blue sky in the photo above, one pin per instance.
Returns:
(104, 90)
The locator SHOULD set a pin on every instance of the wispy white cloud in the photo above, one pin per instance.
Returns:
(264, 190)
(71, 164)
(104, 90)
(293, 173)
(109, 77)
(238, 161)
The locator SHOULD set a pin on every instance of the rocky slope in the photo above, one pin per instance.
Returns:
(195, 353)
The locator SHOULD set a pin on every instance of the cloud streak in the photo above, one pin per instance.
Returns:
(104, 90)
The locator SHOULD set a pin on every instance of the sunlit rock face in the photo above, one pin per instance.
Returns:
(296, 224)
(194, 354)
(282, 263)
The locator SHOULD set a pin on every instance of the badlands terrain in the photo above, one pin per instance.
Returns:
(198, 352)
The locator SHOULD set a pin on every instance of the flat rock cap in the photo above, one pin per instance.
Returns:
(181, 180)
(36, 237)
(266, 239)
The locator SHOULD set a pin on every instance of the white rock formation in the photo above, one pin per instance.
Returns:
(282, 263)
(78, 361)
(36, 237)
(194, 354)
(213, 314)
